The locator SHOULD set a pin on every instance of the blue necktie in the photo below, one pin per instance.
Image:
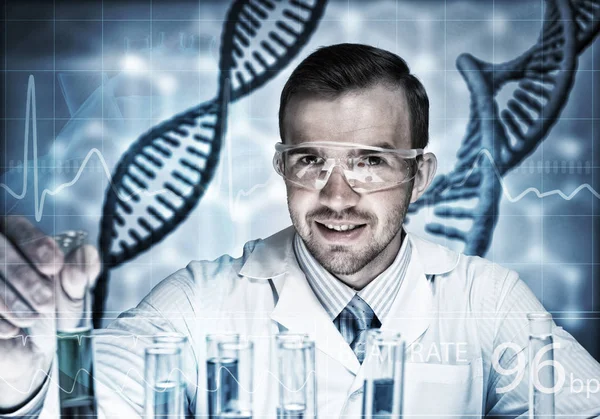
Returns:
(359, 316)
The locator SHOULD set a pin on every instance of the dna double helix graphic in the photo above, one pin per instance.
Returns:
(498, 140)
(176, 159)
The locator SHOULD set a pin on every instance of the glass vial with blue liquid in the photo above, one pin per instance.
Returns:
(74, 347)
(384, 375)
(164, 385)
(235, 380)
(212, 364)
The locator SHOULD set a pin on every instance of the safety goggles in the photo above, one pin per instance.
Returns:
(366, 169)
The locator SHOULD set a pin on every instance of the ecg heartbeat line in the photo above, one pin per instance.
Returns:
(31, 116)
(40, 199)
(132, 372)
(517, 198)
(138, 338)
(80, 336)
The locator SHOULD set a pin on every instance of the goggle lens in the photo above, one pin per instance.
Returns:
(369, 169)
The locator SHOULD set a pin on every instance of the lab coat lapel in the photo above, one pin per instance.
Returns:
(300, 311)
(410, 313)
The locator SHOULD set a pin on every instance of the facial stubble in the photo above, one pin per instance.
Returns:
(346, 260)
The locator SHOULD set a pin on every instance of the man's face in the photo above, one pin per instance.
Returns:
(376, 116)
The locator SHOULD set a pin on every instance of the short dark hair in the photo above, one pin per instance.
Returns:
(333, 70)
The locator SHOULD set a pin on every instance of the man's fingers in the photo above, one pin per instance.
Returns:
(81, 268)
(13, 308)
(87, 259)
(7, 329)
(38, 248)
(24, 280)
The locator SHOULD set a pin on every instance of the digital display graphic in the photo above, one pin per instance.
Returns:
(151, 125)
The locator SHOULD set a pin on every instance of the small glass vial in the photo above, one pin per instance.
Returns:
(384, 375)
(235, 371)
(212, 365)
(74, 346)
(165, 388)
(170, 338)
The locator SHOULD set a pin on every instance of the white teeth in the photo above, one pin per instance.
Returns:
(341, 228)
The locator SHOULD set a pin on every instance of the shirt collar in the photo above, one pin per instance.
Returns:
(334, 295)
(381, 292)
(272, 256)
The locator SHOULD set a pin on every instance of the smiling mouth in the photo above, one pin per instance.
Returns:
(340, 227)
(343, 227)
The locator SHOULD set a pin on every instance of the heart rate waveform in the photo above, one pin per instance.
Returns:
(517, 198)
(131, 375)
(40, 199)
(459, 186)
(135, 343)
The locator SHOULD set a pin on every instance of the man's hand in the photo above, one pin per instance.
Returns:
(36, 281)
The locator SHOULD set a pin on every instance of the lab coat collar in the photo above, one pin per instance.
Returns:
(435, 259)
(271, 257)
(300, 311)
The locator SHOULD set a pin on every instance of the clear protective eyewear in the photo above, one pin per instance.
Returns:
(366, 168)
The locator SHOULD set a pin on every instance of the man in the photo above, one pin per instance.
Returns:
(353, 123)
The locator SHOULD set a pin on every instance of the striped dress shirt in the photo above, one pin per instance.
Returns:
(334, 295)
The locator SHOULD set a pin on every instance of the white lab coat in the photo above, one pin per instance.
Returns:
(451, 310)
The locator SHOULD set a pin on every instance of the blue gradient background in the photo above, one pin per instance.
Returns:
(161, 57)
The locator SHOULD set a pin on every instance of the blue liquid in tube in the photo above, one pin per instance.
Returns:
(75, 363)
(229, 384)
(383, 398)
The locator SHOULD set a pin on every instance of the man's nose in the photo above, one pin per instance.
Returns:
(337, 194)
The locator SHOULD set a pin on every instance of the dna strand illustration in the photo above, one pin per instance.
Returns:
(497, 140)
(259, 39)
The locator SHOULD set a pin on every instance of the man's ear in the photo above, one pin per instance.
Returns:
(426, 167)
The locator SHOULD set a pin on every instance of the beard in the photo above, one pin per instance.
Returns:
(343, 259)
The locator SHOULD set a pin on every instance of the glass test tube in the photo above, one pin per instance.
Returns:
(170, 338)
(164, 387)
(296, 375)
(235, 380)
(384, 375)
(541, 376)
(212, 365)
(74, 347)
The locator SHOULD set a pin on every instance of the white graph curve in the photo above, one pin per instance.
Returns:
(39, 201)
